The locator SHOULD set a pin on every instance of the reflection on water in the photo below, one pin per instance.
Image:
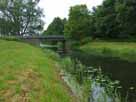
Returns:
(115, 68)
(99, 94)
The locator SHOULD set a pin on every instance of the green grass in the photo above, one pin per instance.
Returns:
(122, 50)
(28, 73)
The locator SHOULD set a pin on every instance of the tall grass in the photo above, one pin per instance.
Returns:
(29, 74)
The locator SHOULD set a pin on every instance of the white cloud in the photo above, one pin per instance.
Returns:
(55, 8)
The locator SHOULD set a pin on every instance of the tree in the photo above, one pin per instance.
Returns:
(78, 24)
(105, 20)
(115, 19)
(20, 17)
(56, 27)
(126, 14)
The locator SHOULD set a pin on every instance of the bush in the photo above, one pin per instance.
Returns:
(68, 65)
(86, 40)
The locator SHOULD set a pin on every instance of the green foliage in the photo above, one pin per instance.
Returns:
(87, 40)
(75, 68)
(68, 65)
(122, 50)
(56, 27)
(87, 76)
(111, 88)
(78, 25)
(126, 17)
(113, 19)
(20, 17)
(105, 20)
(79, 72)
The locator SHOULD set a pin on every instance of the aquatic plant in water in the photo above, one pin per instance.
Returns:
(103, 89)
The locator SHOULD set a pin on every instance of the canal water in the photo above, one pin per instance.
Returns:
(115, 68)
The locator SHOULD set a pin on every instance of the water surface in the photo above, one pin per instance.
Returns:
(115, 68)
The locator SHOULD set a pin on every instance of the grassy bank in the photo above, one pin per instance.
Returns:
(27, 74)
(123, 50)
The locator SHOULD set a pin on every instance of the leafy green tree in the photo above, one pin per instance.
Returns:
(115, 19)
(56, 27)
(78, 24)
(20, 17)
(105, 20)
(126, 17)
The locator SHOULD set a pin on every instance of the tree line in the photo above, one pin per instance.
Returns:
(113, 19)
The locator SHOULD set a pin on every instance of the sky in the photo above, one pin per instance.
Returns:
(60, 8)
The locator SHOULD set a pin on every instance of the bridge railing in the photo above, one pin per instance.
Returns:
(52, 37)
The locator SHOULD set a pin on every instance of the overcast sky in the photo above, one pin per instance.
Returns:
(60, 8)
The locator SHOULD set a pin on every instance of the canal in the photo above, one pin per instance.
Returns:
(115, 68)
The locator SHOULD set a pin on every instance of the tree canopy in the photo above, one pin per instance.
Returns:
(113, 19)
(20, 17)
(56, 27)
(78, 24)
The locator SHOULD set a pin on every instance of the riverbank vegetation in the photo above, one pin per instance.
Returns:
(122, 50)
(94, 85)
(30, 74)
